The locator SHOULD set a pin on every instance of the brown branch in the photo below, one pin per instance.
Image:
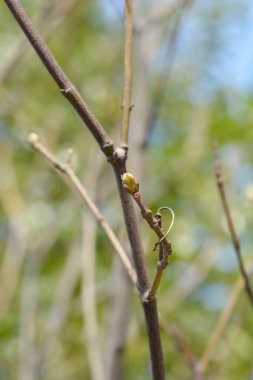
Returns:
(154, 225)
(183, 346)
(161, 264)
(160, 17)
(66, 86)
(51, 12)
(117, 157)
(230, 223)
(68, 171)
(150, 308)
(126, 103)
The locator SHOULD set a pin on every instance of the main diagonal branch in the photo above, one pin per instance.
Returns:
(117, 157)
(66, 86)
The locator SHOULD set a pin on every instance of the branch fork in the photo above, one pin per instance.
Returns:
(65, 168)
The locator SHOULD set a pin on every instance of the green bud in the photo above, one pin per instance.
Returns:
(130, 183)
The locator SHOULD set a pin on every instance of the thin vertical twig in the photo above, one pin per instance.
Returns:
(127, 88)
(230, 223)
(88, 287)
(222, 322)
(68, 280)
(182, 346)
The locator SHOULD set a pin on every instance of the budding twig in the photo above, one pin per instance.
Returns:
(230, 223)
(68, 171)
(131, 185)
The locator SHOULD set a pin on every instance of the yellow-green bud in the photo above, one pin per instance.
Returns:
(33, 139)
(130, 183)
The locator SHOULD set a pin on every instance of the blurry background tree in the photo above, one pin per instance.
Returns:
(192, 83)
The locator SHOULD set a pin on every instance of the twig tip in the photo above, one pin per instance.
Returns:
(33, 139)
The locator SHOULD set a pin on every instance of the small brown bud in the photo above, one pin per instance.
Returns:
(130, 183)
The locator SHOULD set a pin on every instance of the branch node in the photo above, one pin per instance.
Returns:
(66, 91)
(147, 297)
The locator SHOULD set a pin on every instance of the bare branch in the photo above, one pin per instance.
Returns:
(230, 223)
(131, 185)
(150, 308)
(182, 345)
(161, 265)
(220, 325)
(61, 79)
(68, 171)
(159, 17)
(54, 13)
(117, 157)
(126, 104)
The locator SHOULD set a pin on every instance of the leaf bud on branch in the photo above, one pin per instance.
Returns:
(130, 183)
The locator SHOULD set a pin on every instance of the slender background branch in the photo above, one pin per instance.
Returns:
(88, 262)
(162, 82)
(127, 88)
(220, 326)
(68, 171)
(230, 223)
